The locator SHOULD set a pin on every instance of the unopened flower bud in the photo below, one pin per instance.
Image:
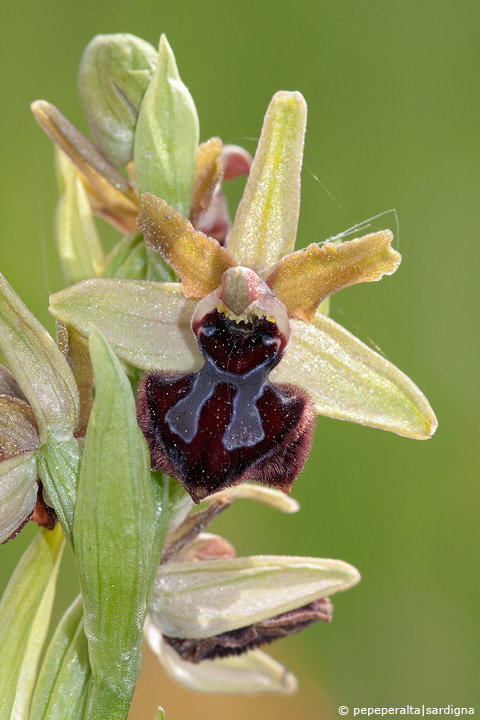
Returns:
(114, 73)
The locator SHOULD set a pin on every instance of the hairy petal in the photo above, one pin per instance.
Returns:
(254, 672)
(349, 381)
(111, 194)
(304, 279)
(146, 323)
(199, 260)
(207, 177)
(265, 225)
(193, 525)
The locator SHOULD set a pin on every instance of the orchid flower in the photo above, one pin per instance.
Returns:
(210, 611)
(229, 325)
(272, 359)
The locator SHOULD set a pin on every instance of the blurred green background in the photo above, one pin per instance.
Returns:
(393, 91)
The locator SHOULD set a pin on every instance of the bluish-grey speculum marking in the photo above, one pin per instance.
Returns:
(245, 426)
(227, 421)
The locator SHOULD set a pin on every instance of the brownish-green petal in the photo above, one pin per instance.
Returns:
(302, 280)
(146, 323)
(199, 260)
(110, 193)
(18, 429)
(75, 348)
(8, 384)
(265, 225)
(18, 493)
(349, 381)
(207, 177)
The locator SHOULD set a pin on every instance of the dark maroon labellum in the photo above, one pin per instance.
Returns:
(227, 422)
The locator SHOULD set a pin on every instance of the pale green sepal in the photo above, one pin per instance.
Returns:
(275, 499)
(161, 714)
(24, 617)
(265, 225)
(38, 366)
(201, 599)
(62, 686)
(252, 672)
(166, 136)
(18, 492)
(349, 381)
(146, 323)
(113, 535)
(114, 73)
(58, 467)
(78, 242)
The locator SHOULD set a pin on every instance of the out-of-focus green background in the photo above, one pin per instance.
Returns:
(393, 90)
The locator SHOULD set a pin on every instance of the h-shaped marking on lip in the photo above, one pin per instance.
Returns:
(245, 426)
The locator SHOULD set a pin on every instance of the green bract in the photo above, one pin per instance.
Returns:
(62, 687)
(24, 617)
(166, 136)
(113, 535)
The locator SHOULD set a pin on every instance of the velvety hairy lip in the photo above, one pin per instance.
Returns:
(227, 422)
